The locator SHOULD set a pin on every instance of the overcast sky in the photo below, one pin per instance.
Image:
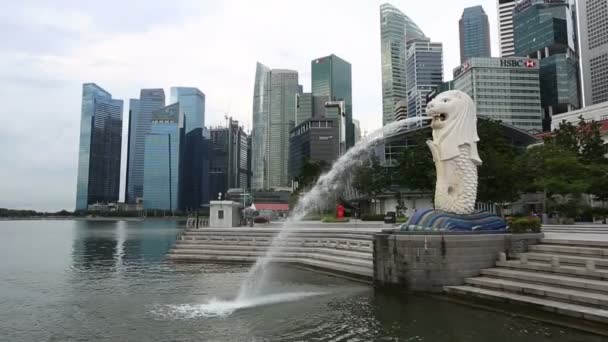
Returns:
(49, 48)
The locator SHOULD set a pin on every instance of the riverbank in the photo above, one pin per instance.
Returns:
(96, 218)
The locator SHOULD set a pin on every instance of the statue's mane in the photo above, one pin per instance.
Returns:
(460, 129)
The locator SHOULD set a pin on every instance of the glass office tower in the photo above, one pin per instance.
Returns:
(424, 74)
(544, 30)
(197, 148)
(274, 109)
(396, 29)
(332, 77)
(163, 160)
(474, 33)
(100, 145)
(140, 117)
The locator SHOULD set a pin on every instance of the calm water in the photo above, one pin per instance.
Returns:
(108, 281)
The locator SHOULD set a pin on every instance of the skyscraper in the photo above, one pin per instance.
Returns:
(593, 35)
(424, 74)
(274, 108)
(164, 159)
(140, 117)
(197, 150)
(331, 77)
(505, 27)
(544, 30)
(229, 164)
(100, 143)
(474, 33)
(395, 30)
(505, 89)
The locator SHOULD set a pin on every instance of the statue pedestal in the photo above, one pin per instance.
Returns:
(437, 220)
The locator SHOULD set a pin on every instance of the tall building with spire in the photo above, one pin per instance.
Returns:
(274, 112)
(396, 29)
(98, 179)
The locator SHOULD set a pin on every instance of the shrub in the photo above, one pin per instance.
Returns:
(524, 225)
(402, 219)
(313, 217)
(372, 217)
(333, 219)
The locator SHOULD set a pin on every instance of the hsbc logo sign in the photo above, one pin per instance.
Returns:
(517, 63)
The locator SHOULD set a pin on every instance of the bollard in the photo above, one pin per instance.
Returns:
(555, 261)
(502, 256)
(523, 258)
(590, 265)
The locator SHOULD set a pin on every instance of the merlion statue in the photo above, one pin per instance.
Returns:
(454, 149)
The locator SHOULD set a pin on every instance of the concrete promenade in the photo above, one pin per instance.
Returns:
(566, 274)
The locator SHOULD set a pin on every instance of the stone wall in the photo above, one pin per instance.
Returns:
(429, 261)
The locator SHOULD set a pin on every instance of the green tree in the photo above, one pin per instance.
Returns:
(371, 178)
(592, 149)
(415, 169)
(310, 172)
(499, 177)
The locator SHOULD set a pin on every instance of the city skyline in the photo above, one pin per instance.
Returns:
(78, 48)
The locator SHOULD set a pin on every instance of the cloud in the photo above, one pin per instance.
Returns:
(50, 48)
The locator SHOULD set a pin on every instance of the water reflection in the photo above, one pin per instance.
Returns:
(108, 246)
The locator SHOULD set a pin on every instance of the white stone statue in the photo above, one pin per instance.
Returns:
(454, 149)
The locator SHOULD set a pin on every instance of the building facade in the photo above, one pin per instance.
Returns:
(593, 36)
(474, 30)
(197, 148)
(504, 89)
(395, 30)
(140, 118)
(164, 156)
(332, 77)
(274, 109)
(505, 27)
(98, 179)
(229, 162)
(320, 138)
(544, 30)
(424, 74)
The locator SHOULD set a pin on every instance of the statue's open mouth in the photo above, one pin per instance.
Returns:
(439, 116)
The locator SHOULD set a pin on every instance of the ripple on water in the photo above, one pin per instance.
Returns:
(223, 308)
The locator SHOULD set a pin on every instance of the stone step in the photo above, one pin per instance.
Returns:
(367, 255)
(285, 254)
(310, 235)
(573, 310)
(244, 243)
(576, 242)
(561, 269)
(568, 259)
(591, 285)
(570, 250)
(349, 270)
(551, 292)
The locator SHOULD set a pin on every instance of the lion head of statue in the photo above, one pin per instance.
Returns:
(454, 123)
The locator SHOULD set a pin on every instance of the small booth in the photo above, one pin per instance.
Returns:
(224, 214)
